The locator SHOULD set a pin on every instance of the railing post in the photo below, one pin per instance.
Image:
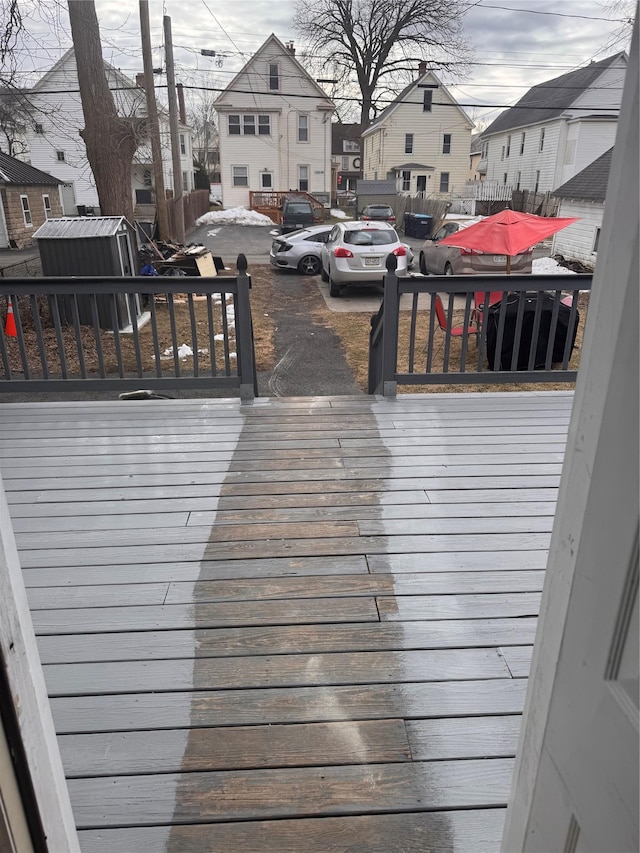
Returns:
(244, 334)
(390, 306)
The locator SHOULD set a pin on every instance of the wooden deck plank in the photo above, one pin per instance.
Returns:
(244, 747)
(469, 831)
(92, 679)
(518, 660)
(276, 706)
(478, 606)
(444, 740)
(306, 639)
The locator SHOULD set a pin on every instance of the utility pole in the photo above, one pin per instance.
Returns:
(154, 126)
(173, 126)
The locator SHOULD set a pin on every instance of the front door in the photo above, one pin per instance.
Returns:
(421, 183)
(68, 199)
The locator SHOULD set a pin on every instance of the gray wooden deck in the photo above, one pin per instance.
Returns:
(293, 625)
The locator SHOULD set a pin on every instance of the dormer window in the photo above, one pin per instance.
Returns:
(274, 76)
(427, 100)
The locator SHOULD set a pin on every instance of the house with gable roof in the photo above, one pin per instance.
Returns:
(422, 139)
(55, 144)
(28, 197)
(556, 129)
(274, 128)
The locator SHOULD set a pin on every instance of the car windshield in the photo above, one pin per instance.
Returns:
(370, 237)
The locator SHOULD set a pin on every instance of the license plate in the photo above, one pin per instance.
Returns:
(372, 262)
(499, 259)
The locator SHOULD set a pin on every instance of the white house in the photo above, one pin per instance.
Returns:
(423, 139)
(274, 128)
(583, 196)
(55, 144)
(556, 129)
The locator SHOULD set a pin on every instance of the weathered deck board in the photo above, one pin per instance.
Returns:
(287, 625)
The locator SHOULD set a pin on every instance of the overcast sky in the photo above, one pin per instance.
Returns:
(517, 43)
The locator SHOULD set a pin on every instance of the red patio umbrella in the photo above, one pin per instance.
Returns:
(507, 233)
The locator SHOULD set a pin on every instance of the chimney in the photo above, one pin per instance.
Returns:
(422, 68)
(181, 109)
(290, 48)
(140, 80)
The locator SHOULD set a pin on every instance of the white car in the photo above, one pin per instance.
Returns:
(356, 253)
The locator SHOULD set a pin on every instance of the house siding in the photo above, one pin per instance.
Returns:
(280, 152)
(527, 163)
(576, 241)
(21, 235)
(586, 141)
(384, 147)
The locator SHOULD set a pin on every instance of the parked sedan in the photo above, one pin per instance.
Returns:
(451, 260)
(356, 252)
(300, 250)
(378, 213)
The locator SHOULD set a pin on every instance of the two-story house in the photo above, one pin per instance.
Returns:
(345, 155)
(423, 139)
(55, 144)
(556, 129)
(274, 128)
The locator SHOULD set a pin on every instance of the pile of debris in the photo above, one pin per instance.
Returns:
(160, 258)
(573, 265)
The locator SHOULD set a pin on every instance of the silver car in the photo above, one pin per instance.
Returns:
(300, 250)
(356, 252)
(451, 260)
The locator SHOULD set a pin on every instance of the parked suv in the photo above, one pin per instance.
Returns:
(378, 213)
(356, 252)
(297, 213)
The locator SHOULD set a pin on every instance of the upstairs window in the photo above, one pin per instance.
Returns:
(264, 125)
(39, 129)
(350, 145)
(446, 143)
(60, 156)
(522, 143)
(508, 151)
(427, 100)
(274, 76)
(234, 125)
(541, 145)
(183, 145)
(408, 143)
(303, 127)
(249, 125)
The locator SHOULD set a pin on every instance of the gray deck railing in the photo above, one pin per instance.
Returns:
(144, 332)
(526, 337)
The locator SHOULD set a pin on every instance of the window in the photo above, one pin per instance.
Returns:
(274, 76)
(406, 181)
(345, 164)
(26, 212)
(596, 241)
(60, 156)
(246, 125)
(266, 180)
(240, 176)
(249, 125)
(183, 144)
(446, 143)
(508, 152)
(427, 100)
(444, 182)
(535, 189)
(46, 201)
(522, 143)
(234, 125)
(350, 145)
(541, 145)
(504, 178)
(518, 180)
(502, 155)
(39, 129)
(408, 143)
(185, 182)
(303, 127)
(264, 125)
(484, 153)
(303, 178)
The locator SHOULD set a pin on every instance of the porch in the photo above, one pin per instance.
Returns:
(286, 624)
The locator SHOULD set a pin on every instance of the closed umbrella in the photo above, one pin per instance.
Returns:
(507, 233)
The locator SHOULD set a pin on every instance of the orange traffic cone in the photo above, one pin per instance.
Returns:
(10, 329)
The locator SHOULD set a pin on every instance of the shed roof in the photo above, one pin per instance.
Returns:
(73, 227)
(552, 98)
(591, 182)
(14, 171)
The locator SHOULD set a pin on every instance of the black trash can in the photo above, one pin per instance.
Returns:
(422, 223)
(408, 225)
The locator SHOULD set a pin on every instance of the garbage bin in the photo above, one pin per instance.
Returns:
(408, 224)
(422, 223)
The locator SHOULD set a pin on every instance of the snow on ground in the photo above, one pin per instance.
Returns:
(339, 214)
(547, 266)
(234, 216)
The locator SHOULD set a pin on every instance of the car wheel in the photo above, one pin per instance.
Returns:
(448, 269)
(334, 289)
(324, 275)
(309, 265)
(423, 266)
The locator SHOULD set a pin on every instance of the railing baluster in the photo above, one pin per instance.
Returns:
(55, 314)
(212, 341)
(517, 335)
(535, 332)
(115, 323)
(548, 361)
(174, 334)
(225, 332)
(39, 337)
(131, 302)
(78, 334)
(194, 333)
(154, 334)
(412, 331)
(95, 318)
(4, 353)
(432, 331)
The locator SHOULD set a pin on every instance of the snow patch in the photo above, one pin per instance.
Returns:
(234, 216)
(547, 266)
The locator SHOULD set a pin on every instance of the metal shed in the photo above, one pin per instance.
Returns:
(91, 246)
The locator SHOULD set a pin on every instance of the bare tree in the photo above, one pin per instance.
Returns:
(376, 42)
(203, 122)
(110, 140)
